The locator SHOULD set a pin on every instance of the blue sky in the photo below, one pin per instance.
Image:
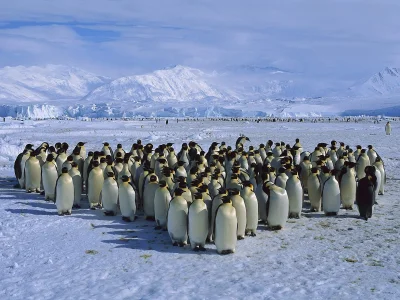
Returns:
(338, 40)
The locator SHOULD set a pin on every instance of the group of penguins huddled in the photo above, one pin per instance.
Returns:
(216, 196)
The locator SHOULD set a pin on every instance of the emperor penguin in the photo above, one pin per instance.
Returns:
(162, 198)
(282, 178)
(32, 174)
(76, 157)
(262, 151)
(86, 167)
(82, 149)
(177, 219)
(19, 165)
(216, 202)
(225, 227)
(180, 171)
(277, 151)
(295, 194)
(277, 207)
(379, 165)
(314, 190)
(77, 181)
(183, 156)
(41, 156)
(127, 203)
(262, 198)
(331, 196)
(250, 201)
(171, 158)
(365, 195)
(198, 223)
(95, 184)
(362, 163)
(239, 205)
(107, 149)
(305, 171)
(64, 193)
(60, 159)
(240, 141)
(372, 155)
(388, 128)
(49, 177)
(348, 185)
(109, 195)
(378, 176)
(148, 198)
(119, 150)
(125, 169)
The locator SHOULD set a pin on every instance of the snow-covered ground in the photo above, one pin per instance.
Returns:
(90, 256)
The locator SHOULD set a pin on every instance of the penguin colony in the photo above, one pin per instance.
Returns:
(217, 196)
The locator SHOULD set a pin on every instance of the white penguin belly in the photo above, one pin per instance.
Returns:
(65, 194)
(109, 195)
(226, 229)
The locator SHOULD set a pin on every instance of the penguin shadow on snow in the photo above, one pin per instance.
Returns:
(141, 235)
(22, 211)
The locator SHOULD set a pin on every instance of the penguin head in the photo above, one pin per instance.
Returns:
(182, 185)
(198, 196)
(50, 157)
(90, 153)
(226, 199)
(234, 192)
(81, 144)
(153, 178)
(359, 147)
(222, 191)
(119, 146)
(162, 183)
(125, 178)
(96, 164)
(106, 144)
(181, 163)
(110, 174)
(306, 158)
(370, 147)
(64, 170)
(70, 158)
(262, 146)
(314, 170)
(178, 192)
(74, 165)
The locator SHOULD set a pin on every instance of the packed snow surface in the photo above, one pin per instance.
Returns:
(90, 256)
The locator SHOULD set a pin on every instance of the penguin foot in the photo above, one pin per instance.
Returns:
(175, 244)
(61, 214)
(29, 191)
(253, 234)
(158, 228)
(42, 193)
(181, 244)
(380, 193)
(276, 227)
(150, 218)
(196, 249)
(331, 214)
(67, 213)
(93, 208)
(225, 252)
(38, 191)
(109, 213)
(240, 237)
(126, 219)
(376, 203)
(201, 248)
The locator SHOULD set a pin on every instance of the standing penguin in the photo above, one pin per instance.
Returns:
(225, 228)
(127, 200)
(216, 202)
(262, 199)
(295, 195)
(77, 181)
(388, 128)
(198, 223)
(278, 206)
(177, 219)
(238, 204)
(32, 174)
(109, 195)
(95, 184)
(331, 196)
(362, 163)
(250, 201)
(162, 198)
(379, 165)
(49, 177)
(314, 190)
(365, 196)
(348, 185)
(148, 197)
(64, 193)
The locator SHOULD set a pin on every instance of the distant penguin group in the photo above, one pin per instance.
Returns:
(216, 196)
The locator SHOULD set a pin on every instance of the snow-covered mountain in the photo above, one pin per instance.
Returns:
(178, 83)
(386, 82)
(52, 82)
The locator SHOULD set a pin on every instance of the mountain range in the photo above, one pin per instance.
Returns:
(249, 90)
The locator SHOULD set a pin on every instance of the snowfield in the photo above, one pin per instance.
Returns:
(90, 256)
